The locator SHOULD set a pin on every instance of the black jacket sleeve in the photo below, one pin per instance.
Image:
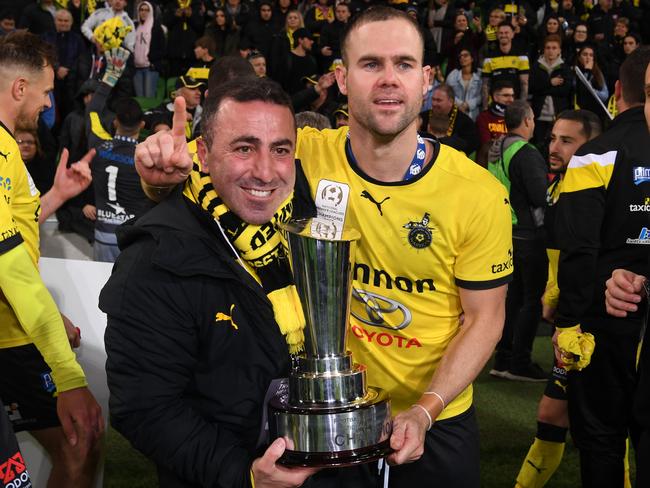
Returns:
(152, 352)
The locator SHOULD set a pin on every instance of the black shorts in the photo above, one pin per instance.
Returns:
(27, 389)
(450, 460)
(557, 383)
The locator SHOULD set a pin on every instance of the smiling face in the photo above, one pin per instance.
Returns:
(251, 157)
(37, 87)
(461, 24)
(383, 76)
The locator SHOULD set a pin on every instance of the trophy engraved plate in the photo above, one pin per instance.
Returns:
(325, 410)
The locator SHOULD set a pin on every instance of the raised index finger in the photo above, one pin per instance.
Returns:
(179, 120)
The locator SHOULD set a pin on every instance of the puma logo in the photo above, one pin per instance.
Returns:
(222, 317)
(365, 194)
(4, 155)
(539, 470)
(560, 385)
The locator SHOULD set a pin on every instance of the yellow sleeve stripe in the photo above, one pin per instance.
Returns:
(606, 159)
(97, 127)
(587, 177)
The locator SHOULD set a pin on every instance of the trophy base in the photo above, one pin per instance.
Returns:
(336, 459)
(323, 435)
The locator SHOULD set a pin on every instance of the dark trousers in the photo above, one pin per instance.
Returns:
(450, 459)
(600, 407)
(523, 304)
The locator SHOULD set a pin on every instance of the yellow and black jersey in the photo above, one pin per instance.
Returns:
(552, 292)
(19, 211)
(21, 204)
(602, 216)
(421, 240)
(499, 66)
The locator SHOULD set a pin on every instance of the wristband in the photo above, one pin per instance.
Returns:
(442, 400)
(426, 412)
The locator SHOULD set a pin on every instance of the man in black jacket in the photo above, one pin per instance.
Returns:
(461, 132)
(526, 170)
(192, 339)
(602, 224)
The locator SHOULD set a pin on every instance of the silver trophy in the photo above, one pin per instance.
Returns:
(325, 410)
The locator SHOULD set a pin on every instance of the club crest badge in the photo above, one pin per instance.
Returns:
(420, 235)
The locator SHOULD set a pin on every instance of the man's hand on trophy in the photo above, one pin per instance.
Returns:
(407, 439)
(162, 160)
(267, 473)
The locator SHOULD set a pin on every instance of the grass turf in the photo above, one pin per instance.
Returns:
(507, 419)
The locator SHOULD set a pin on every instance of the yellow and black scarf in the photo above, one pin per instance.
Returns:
(263, 251)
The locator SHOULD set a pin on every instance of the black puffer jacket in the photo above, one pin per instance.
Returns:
(187, 385)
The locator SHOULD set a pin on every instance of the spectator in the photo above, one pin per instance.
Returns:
(461, 38)
(506, 62)
(466, 83)
(301, 63)
(551, 84)
(440, 21)
(69, 48)
(283, 43)
(184, 26)
(161, 117)
(601, 22)
(496, 18)
(258, 62)
(101, 15)
(318, 16)
(553, 26)
(149, 51)
(41, 166)
(524, 170)
(491, 122)
(341, 116)
(280, 12)
(204, 51)
(312, 119)
(260, 30)
(73, 214)
(579, 38)
(586, 63)
(239, 12)
(460, 127)
(225, 33)
(7, 22)
(630, 43)
(329, 43)
(38, 18)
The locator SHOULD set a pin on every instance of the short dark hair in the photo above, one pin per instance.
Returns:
(632, 75)
(516, 112)
(377, 13)
(449, 91)
(500, 85)
(241, 90)
(591, 124)
(228, 68)
(506, 24)
(25, 50)
(128, 113)
(207, 42)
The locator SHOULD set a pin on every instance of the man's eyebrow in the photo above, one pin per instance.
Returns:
(398, 57)
(248, 139)
(282, 142)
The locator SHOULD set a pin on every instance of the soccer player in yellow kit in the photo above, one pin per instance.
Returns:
(35, 356)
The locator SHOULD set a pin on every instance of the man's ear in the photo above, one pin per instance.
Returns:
(202, 153)
(19, 88)
(427, 73)
(341, 74)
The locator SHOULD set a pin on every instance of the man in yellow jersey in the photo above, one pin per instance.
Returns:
(41, 382)
(436, 243)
